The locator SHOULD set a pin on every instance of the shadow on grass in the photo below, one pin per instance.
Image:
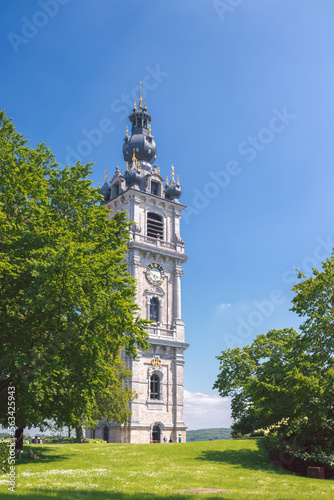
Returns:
(243, 458)
(44, 453)
(67, 494)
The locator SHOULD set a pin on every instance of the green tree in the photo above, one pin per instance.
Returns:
(255, 377)
(314, 300)
(285, 380)
(66, 298)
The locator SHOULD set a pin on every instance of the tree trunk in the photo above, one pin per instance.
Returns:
(79, 433)
(69, 432)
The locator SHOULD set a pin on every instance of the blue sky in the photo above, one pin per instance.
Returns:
(242, 104)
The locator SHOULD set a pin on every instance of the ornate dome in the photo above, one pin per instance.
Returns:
(144, 145)
(141, 139)
(134, 175)
(172, 189)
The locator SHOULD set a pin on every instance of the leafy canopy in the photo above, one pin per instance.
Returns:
(66, 298)
(285, 380)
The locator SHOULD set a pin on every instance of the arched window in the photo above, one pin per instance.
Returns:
(155, 387)
(154, 309)
(155, 225)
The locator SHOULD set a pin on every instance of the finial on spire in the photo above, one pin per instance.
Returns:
(166, 179)
(158, 170)
(127, 130)
(149, 129)
(106, 172)
(173, 172)
(135, 105)
(134, 156)
(99, 183)
(140, 97)
(177, 179)
(127, 166)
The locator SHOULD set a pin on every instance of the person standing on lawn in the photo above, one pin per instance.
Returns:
(18, 442)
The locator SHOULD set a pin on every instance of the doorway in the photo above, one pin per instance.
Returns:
(106, 433)
(156, 434)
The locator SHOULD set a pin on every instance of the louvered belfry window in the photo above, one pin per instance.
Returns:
(155, 226)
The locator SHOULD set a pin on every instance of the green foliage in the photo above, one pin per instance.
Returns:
(254, 376)
(316, 459)
(66, 298)
(95, 441)
(112, 402)
(58, 440)
(284, 381)
(209, 434)
(66, 440)
(4, 455)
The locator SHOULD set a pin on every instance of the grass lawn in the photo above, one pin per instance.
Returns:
(156, 472)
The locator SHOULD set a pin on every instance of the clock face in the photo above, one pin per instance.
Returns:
(155, 274)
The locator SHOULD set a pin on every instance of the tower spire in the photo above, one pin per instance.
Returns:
(140, 137)
(140, 96)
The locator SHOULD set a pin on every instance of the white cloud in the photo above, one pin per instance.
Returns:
(204, 411)
(224, 306)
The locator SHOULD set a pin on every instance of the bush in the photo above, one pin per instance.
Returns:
(58, 440)
(95, 441)
(295, 458)
(236, 435)
(302, 460)
(4, 455)
(64, 440)
(275, 442)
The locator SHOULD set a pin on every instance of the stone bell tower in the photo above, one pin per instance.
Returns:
(155, 258)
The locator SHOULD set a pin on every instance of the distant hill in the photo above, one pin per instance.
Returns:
(209, 434)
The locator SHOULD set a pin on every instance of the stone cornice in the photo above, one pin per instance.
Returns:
(122, 196)
(147, 247)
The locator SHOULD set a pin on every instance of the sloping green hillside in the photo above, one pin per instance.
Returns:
(209, 434)
(157, 472)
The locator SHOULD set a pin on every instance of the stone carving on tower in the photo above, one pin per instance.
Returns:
(155, 258)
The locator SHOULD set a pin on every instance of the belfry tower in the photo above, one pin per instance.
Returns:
(155, 258)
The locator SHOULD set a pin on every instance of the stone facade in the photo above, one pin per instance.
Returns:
(155, 258)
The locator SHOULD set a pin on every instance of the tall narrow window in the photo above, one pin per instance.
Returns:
(116, 189)
(154, 309)
(155, 387)
(155, 188)
(155, 225)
